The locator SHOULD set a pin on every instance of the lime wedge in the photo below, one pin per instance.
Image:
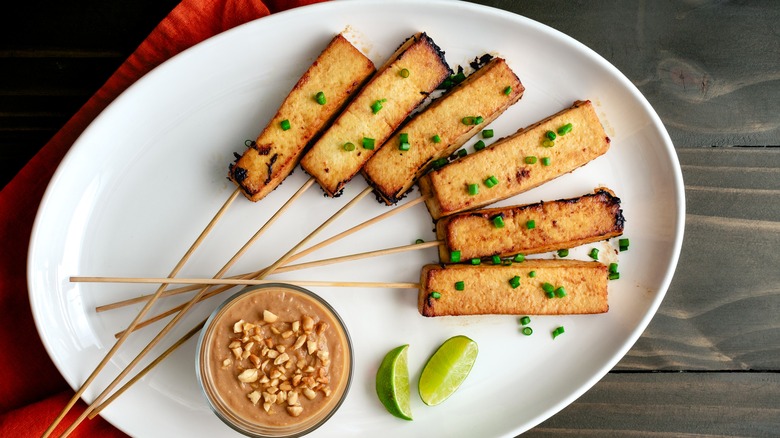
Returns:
(447, 369)
(392, 383)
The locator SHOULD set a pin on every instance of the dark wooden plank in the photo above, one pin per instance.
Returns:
(672, 405)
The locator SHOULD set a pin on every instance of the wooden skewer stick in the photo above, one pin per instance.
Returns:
(184, 310)
(249, 282)
(148, 368)
(297, 256)
(142, 313)
(264, 272)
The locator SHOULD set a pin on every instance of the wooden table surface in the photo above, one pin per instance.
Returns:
(708, 363)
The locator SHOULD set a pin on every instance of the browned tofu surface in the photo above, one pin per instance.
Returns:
(328, 161)
(338, 72)
(446, 189)
(487, 289)
(392, 172)
(564, 223)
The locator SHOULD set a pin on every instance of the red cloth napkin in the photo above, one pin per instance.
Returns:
(32, 392)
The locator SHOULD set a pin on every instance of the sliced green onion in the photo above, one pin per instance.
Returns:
(506, 262)
(525, 320)
(530, 224)
(496, 260)
(548, 143)
(285, 124)
(514, 282)
(473, 189)
(530, 159)
(468, 120)
(563, 252)
(508, 91)
(491, 181)
(462, 153)
(436, 138)
(557, 332)
(547, 287)
(528, 331)
(454, 256)
(560, 292)
(459, 285)
(550, 294)
(404, 73)
(478, 146)
(349, 147)
(498, 221)
(546, 161)
(487, 133)
(614, 275)
(478, 120)
(550, 135)
(403, 137)
(613, 267)
(439, 163)
(594, 254)
(418, 241)
(320, 98)
(519, 258)
(532, 274)
(565, 129)
(623, 243)
(476, 261)
(435, 295)
(404, 146)
(377, 105)
(368, 143)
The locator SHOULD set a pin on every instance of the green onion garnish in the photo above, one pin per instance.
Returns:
(320, 98)
(546, 161)
(550, 294)
(469, 120)
(462, 153)
(527, 331)
(368, 143)
(487, 133)
(514, 282)
(557, 332)
(377, 105)
(436, 138)
(623, 243)
(565, 129)
(613, 267)
(454, 256)
(532, 274)
(560, 292)
(508, 91)
(476, 261)
(525, 320)
(418, 241)
(563, 252)
(550, 135)
(530, 160)
(404, 146)
(478, 146)
(478, 120)
(404, 73)
(403, 137)
(498, 221)
(473, 189)
(614, 275)
(547, 287)
(435, 295)
(496, 260)
(530, 224)
(491, 181)
(459, 285)
(285, 124)
(548, 143)
(349, 147)
(439, 163)
(594, 254)
(519, 258)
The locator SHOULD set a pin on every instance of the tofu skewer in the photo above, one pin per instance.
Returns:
(309, 108)
(507, 231)
(516, 163)
(400, 86)
(439, 129)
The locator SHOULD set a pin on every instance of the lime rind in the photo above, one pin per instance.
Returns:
(392, 383)
(446, 369)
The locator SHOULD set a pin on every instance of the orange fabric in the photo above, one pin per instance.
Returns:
(32, 392)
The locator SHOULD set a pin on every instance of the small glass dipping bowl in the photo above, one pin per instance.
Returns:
(274, 361)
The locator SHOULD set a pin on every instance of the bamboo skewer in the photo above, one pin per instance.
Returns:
(184, 310)
(250, 282)
(297, 256)
(142, 313)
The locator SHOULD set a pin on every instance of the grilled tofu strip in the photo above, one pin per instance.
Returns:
(392, 172)
(378, 109)
(487, 289)
(338, 72)
(446, 190)
(564, 223)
